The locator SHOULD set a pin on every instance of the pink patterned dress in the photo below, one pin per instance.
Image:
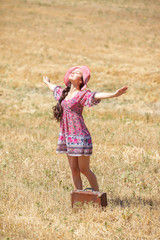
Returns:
(74, 138)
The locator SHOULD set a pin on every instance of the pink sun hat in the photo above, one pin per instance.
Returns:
(86, 75)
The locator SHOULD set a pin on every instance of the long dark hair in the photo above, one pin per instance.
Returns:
(57, 109)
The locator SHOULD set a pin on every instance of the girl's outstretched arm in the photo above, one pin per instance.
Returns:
(119, 92)
(47, 82)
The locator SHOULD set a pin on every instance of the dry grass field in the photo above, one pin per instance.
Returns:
(119, 40)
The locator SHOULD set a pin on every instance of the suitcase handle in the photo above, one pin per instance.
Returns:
(89, 189)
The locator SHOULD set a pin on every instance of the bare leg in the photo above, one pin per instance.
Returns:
(73, 162)
(83, 162)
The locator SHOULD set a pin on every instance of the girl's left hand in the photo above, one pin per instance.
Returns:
(120, 91)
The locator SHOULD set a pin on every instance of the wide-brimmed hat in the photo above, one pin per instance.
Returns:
(86, 75)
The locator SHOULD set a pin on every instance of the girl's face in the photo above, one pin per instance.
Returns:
(76, 76)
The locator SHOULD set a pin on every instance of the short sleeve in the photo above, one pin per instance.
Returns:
(88, 99)
(57, 92)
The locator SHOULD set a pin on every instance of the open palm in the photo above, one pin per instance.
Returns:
(46, 79)
(121, 91)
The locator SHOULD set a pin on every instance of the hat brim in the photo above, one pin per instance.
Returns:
(85, 71)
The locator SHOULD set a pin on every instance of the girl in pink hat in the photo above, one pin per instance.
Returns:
(74, 138)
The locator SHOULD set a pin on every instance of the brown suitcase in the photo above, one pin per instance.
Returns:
(79, 197)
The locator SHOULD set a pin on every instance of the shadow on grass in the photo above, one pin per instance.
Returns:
(129, 202)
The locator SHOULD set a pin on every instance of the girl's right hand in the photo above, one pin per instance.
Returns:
(46, 80)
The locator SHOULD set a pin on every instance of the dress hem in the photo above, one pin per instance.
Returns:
(76, 155)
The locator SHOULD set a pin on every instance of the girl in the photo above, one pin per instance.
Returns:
(74, 138)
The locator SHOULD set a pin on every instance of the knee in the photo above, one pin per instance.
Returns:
(85, 171)
(75, 171)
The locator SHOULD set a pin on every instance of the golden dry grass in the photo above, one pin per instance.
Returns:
(119, 40)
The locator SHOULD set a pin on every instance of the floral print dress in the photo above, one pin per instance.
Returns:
(74, 138)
